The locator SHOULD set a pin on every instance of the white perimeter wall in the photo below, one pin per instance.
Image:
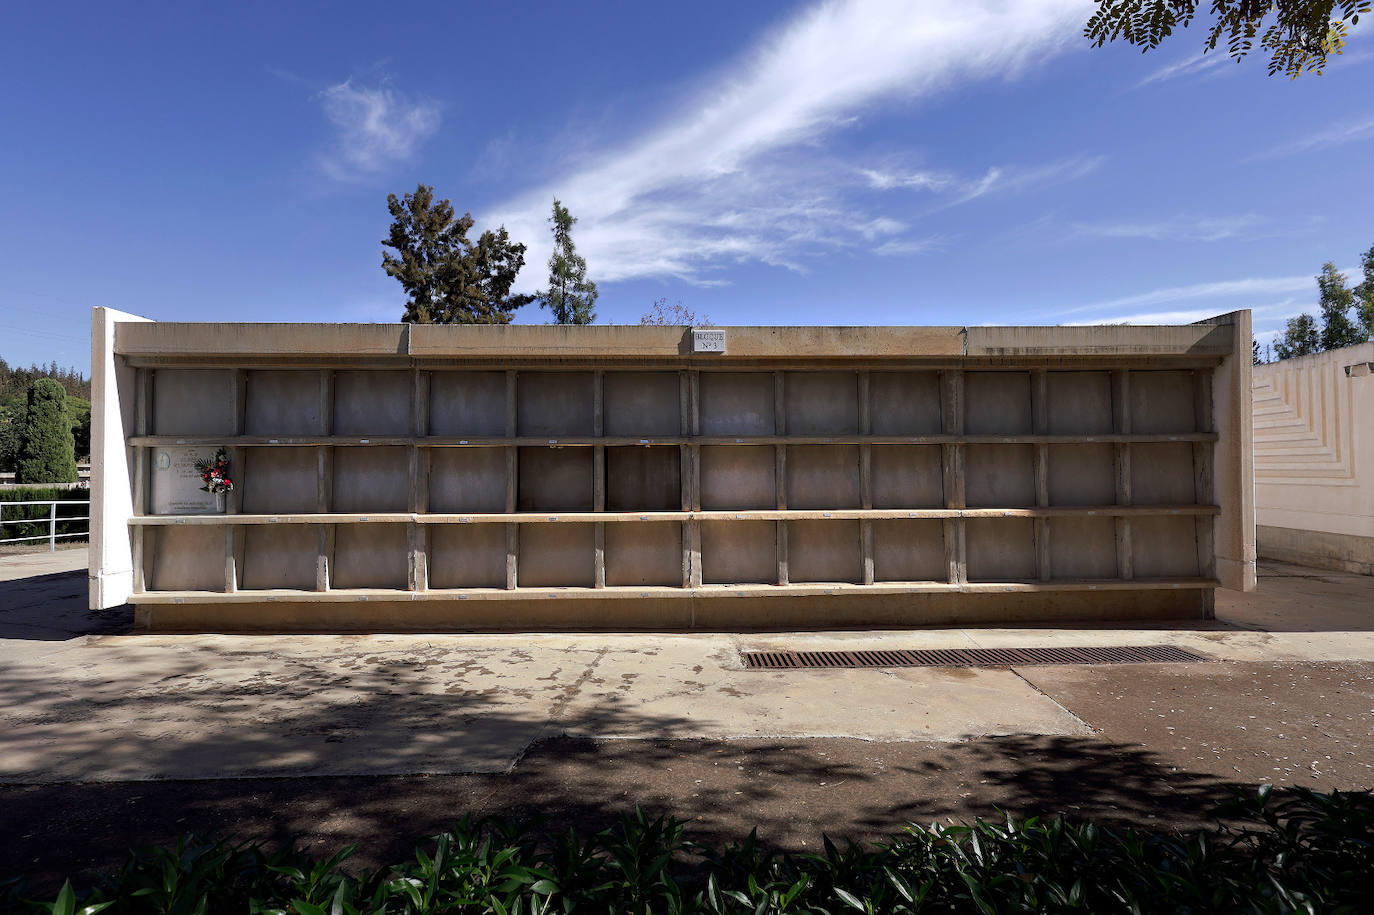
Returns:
(1314, 456)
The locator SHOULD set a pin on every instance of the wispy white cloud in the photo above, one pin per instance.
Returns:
(1119, 309)
(886, 180)
(1012, 179)
(1192, 66)
(1265, 312)
(1350, 131)
(376, 129)
(907, 247)
(733, 176)
(1182, 228)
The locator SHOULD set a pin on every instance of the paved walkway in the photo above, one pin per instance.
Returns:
(81, 701)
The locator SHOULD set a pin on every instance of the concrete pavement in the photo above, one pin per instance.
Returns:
(80, 702)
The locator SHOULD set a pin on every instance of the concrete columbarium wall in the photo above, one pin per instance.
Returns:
(607, 477)
(1314, 459)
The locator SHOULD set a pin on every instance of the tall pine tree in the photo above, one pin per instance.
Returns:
(570, 295)
(450, 280)
(46, 453)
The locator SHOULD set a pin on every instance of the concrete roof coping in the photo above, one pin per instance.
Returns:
(185, 339)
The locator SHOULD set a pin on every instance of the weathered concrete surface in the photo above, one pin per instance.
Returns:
(119, 708)
(1314, 459)
(77, 703)
(1157, 745)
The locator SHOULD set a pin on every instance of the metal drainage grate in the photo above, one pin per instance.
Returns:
(971, 657)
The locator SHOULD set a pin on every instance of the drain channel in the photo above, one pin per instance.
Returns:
(971, 657)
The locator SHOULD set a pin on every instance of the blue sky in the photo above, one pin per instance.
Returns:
(930, 162)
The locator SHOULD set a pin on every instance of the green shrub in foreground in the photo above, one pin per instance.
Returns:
(1299, 852)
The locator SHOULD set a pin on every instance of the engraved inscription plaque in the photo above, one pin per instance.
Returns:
(177, 484)
(708, 341)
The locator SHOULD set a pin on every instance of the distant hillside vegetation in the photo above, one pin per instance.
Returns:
(14, 391)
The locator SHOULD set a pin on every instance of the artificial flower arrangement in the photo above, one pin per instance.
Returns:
(215, 473)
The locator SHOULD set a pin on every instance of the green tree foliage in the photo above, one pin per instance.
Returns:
(1302, 337)
(79, 411)
(1364, 295)
(1298, 35)
(1337, 326)
(1336, 301)
(11, 421)
(15, 381)
(570, 295)
(450, 280)
(46, 454)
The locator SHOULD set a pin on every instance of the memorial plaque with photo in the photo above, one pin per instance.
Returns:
(177, 483)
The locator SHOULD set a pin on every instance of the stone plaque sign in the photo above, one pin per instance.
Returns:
(708, 341)
(177, 484)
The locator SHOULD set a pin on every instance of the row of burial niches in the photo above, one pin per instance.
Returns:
(650, 554)
(289, 479)
(649, 404)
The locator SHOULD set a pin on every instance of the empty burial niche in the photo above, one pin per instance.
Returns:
(906, 476)
(1079, 403)
(279, 480)
(185, 558)
(908, 550)
(372, 403)
(193, 402)
(1000, 549)
(643, 479)
(467, 480)
(554, 479)
(467, 555)
(1082, 474)
(279, 556)
(641, 404)
(819, 551)
(371, 479)
(1082, 548)
(1162, 401)
(648, 554)
(738, 477)
(467, 403)
(736, 403)
(821, 403)
(555, 555)
(739, 552)
(904, 403)
(1162, 474)
(370, 556)
(1164, 546)
(997, 403)
(552, 404)
(823, 476)
(282, 403)
(999, 476)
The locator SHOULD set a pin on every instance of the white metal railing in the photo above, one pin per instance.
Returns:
(52, 536)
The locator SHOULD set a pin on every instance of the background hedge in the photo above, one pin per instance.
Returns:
(40, 513)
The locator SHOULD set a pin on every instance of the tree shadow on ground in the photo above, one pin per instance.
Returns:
(792, 791)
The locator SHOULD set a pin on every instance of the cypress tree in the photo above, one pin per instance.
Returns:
(570, 295)
(46, 452)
